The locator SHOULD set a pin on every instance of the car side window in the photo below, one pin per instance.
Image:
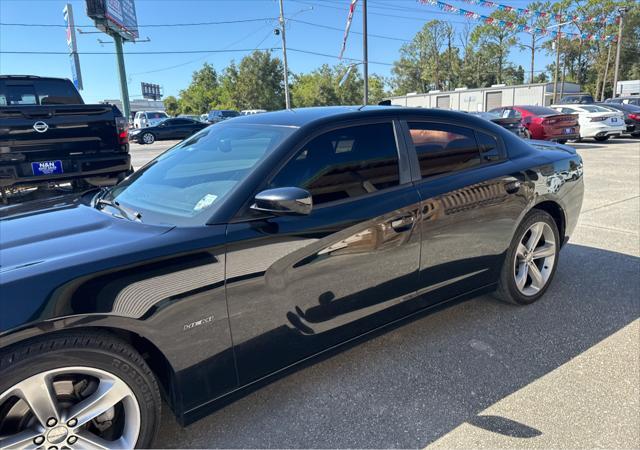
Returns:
(488, 146)
(345, 163)
(443, 148)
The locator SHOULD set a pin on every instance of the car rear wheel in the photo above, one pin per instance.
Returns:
(77, 391)
(531, 260)
(148, 138)
(601, 138)
(526, 134)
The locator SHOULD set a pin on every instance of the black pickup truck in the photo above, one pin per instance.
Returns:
(49, 136)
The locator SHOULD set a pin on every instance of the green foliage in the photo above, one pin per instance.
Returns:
(171, 105)
(202, 93)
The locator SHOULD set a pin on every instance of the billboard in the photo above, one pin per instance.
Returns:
(151, 91)
(74, 59)
(115, 16)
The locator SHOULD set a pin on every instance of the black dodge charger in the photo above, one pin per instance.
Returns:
(256, 244)
(176, 128)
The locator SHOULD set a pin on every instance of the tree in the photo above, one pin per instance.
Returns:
(322, 87)
(171, 105)
(202, 93)
(422, 65)
(496, 40)
(255, 83)
(535, 39)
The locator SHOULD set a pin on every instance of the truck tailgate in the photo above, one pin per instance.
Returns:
(57, 130)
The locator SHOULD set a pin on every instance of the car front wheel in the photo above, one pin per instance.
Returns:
(77, 390)
(601, 138)
(148, 138)
(531, 260)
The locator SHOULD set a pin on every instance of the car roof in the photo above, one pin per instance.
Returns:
(299, 117)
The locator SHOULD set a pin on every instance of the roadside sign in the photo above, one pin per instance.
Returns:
(115, 16)
(74, 59)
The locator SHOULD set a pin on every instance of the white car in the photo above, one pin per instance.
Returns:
(144, 119)
(595, 121)
(249, 112)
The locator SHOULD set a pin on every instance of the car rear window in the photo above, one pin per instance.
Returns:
(593, 108)
(38, 92)
(540, 110)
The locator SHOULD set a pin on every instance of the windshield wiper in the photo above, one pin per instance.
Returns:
(126, 213)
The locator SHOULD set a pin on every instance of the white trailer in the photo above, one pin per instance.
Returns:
(485, 99)
(628, 87)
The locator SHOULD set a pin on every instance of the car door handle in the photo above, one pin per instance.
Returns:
(512, 187)
(403, 224)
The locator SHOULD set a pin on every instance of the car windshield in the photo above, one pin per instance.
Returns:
(184, 184)
(156, 115)
(230, 113)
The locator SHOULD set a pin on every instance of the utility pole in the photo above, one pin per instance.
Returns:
(615, 73)
(124, 89)
(365, 53)
(606, 73)
(287, 101)
(555, 76)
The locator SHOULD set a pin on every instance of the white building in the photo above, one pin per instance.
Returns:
(484, 99)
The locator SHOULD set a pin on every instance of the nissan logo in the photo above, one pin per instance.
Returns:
(40, 126)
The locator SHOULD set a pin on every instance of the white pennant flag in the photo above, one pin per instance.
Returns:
(352, 8)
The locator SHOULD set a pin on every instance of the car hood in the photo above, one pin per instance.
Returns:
(68, 230)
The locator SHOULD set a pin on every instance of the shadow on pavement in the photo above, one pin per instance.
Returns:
(413, 384)
(504, 426)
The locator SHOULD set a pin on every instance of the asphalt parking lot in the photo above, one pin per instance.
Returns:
(564, 372)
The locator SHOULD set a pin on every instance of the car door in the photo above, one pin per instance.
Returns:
(297, 285)
(470, 204)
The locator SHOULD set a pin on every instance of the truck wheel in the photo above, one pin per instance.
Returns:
(77, 390)
(148, 138)
(531, 260)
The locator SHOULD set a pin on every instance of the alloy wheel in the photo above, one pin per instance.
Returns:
(148, 138)
(535, 259)
(67, 408)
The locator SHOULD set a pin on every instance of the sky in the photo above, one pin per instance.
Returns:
(395, 19)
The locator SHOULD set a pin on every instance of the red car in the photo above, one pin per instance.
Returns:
(543, 123)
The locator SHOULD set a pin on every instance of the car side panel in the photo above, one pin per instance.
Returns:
(298, 285)
(468, 220)
(168, 290)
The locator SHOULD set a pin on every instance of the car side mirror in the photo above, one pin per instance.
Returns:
(284, 201)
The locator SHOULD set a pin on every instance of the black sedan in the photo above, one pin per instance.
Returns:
(254, 245)
(513, 124)
(178, 128)
(631, 116)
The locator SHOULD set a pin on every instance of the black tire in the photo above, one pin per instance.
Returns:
(507, 289)
(98, 350)
(526, 134)
(562, 141)
(601, 138)
(147, 138)
(635, 135)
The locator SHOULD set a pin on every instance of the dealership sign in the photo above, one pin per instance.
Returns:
(117, 16)
(74, 59)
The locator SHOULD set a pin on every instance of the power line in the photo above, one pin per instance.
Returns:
(150, 25)
(328, 27)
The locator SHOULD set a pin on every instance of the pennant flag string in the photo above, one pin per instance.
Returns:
(518, 27)
(557, 17)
